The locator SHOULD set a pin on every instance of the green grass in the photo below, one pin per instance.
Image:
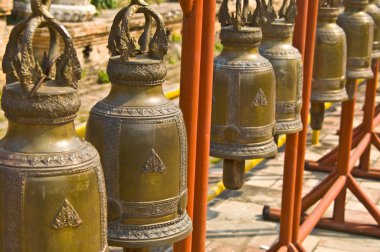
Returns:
(103, 77)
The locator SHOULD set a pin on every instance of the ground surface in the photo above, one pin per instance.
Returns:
(235, 220)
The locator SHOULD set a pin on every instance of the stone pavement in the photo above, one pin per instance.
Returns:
(235, 220)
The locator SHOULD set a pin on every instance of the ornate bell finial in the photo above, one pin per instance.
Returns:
(141, 138)
(287, 64)
(243, 116)
(329, 73)
(52, 180)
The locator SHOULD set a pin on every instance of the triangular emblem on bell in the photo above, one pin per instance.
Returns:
(66, 216)
(260, 99)
(153, 164)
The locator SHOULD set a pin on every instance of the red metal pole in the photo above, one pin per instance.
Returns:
(287, 203)
(190, 74)
(299, 38)
(204, 126)
(308, 72)
(345, 143)
(369, 114)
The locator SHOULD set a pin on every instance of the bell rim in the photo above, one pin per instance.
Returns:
(364, 73)
(375, 54)
(338, 96)
(245, 151)
(293, 126)
(149, 242)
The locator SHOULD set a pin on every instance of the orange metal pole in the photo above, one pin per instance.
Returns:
(204, 126)
(190, 74)
(299, 38)
(369, 114)
(287, 203)
(308, 72)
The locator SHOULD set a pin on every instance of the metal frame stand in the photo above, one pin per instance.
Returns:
(334, 187)
(364, 136)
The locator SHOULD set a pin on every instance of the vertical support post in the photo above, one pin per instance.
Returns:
(204, 126)
(190, 74)
(290, 167)
(369, 113)
(308, 73)
(345, 144)
(287, 203)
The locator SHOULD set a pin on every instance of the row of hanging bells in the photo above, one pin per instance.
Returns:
(52, 190)
(256, 88)
(346, 43)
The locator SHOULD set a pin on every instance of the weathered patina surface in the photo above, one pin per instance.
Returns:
(287, 64)
(330, 57)
(243, 114)
(141, 138)
(51, 183)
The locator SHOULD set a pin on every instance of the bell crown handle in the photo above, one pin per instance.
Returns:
(329, 3)
(20, 64)
(288, 11)
(121, 42)
(264, 13)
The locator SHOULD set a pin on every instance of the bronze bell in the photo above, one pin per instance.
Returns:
(374, 11)
(51, 183)
(141, 139)
(243, 113)
(359, 29)
(330, 57)
(287, 64)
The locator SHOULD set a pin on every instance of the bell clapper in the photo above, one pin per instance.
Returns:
(233, 173)
(315, 137)
(317, 115)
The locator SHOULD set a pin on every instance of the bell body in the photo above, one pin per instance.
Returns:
(243, 112)
(51, 184)
(140, 136)
(374, 11)
(287, 64)
(330, 57)
(359, 29)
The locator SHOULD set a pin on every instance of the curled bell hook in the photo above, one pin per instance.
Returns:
(122, 43)
(41, 8)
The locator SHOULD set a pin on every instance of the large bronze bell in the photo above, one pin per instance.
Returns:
(359, 29)
(330, 57)
(374, 11)
(141, 139)
(243, 113)
(287, 64)
(52, 192)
